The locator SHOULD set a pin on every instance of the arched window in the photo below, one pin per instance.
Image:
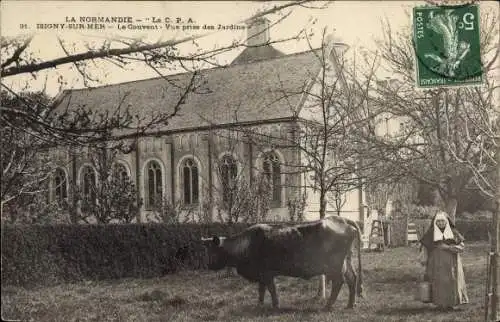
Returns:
(272, 171)
(120, 172)
(154, 185)
(88, 183)
(60, 185)
(228, 170)
(190, 182)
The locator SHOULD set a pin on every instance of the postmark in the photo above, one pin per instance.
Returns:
(451, 2)
(447, 46)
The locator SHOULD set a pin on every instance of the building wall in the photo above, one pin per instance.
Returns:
(205, 147)
(350, 209)
(170, 151)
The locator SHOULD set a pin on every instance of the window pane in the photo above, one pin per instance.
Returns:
(267, 168)
(159, 186)
(194, 173)
(187, 185)
(151, 187)
(276, 181)
(153, 182)
(121, 173)
(234, 171)
(58, 188)
(89, 183)
(224, 175)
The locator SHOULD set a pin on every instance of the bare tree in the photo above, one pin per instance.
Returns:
(106, 191)
(338, 198)
(25, 168)
(79, 124)
(333, 109)
(235, 198)
(445, 136)
(296, 207)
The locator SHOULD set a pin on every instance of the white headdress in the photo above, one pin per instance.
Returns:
(446, 233)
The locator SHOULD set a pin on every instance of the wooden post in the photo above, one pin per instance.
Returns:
(495, 254)
(495, 247)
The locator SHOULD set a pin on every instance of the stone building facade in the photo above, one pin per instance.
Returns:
(243, 115)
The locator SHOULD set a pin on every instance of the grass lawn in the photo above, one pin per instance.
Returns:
(390, 281)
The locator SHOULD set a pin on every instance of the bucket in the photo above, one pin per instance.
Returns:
(424, 292)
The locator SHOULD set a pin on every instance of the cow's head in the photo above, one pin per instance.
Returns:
(218, 258)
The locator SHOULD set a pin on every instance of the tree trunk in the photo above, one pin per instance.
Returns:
(322, 205)
(451, 208)
(322, 214)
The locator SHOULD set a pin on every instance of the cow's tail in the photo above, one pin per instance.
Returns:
(359, 280)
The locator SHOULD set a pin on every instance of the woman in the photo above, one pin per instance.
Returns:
(443, 245)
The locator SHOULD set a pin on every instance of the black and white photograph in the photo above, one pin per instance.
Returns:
(250, 160)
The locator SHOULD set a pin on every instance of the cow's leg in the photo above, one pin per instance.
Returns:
(271, 286)
(337, 282)
(350, 278)
(262, 292)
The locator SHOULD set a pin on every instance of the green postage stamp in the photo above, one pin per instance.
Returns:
(447, 46)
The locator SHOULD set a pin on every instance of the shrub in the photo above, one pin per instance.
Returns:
(36, 254)
(472, 230)
(35, 209)
(478, 215)
(49, 254)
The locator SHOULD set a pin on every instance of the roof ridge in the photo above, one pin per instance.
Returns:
(184, 73)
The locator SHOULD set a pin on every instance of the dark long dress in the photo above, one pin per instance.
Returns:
(444, 270)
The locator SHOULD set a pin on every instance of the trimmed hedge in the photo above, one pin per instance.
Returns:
(45, 255)
(36, 254)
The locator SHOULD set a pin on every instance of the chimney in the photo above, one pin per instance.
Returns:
(333, 42)
(258, 32)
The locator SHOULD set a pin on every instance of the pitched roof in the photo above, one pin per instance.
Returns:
(253, 54)
(258, 91)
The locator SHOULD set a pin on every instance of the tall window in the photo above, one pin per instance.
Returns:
(88, 183)
(190, 182)
(272, 171)
(154, 190)
(60, 185)
(228, 172)
(120, 172)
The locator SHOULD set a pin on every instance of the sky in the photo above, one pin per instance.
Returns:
(357, 23)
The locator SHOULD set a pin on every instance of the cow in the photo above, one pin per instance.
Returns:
(304, 250)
